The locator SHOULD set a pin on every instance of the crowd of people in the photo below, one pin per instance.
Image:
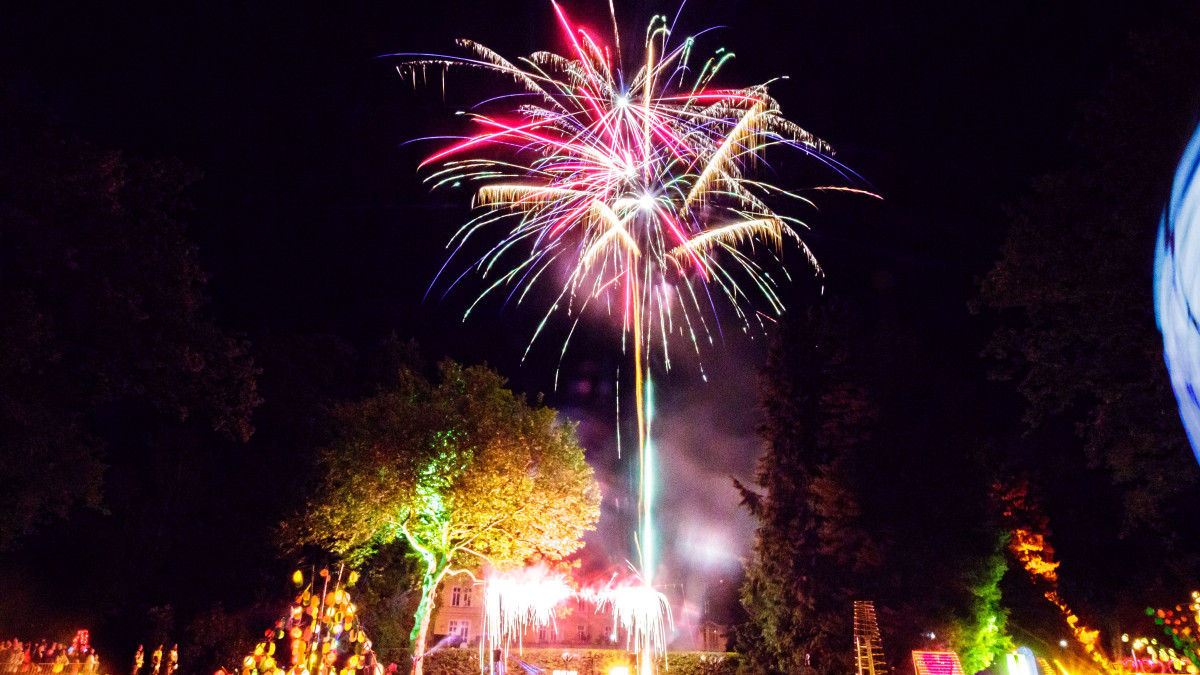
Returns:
(47, 657)
(157, 665)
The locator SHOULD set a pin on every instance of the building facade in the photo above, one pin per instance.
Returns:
(459, 621)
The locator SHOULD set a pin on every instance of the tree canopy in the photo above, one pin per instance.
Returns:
(858, 464)
(1074, 278)
(465, 471)
(812, 553)
(101, 303)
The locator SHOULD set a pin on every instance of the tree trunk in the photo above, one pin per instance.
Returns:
(420, 631)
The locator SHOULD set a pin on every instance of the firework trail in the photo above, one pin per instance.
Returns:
(1177, 288)
(637, 188)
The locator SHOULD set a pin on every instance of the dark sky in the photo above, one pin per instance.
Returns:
(312, 218)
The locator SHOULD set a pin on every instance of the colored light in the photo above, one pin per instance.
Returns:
(937, 663)
(1020, 664)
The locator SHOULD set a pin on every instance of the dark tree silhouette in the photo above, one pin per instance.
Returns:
(811, 550)
(1073, 286)
(101, 303)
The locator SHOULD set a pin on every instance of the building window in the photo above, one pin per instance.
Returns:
(541, 634)
(582, 634)
(460, 628)
(466, 596)
(455, 596)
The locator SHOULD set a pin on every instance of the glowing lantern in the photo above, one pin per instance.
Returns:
(353, 577)
(298, 577)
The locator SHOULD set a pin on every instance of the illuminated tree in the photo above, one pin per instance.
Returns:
(465, 471)
(979, 632)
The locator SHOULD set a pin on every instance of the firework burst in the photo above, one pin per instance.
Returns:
(640, 188)
(632, 193)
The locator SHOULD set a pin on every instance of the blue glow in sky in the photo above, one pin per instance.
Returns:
(1177, 287)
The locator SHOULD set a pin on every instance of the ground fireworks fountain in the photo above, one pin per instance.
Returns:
(635, 186)
(518, 600)
(522, 599)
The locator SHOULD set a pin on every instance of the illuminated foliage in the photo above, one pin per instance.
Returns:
(981, 637)
(465, 472)
(1029, 546)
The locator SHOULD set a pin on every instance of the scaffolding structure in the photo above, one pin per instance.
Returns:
(868, 646)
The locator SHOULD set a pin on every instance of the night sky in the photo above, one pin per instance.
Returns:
(312, 218)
